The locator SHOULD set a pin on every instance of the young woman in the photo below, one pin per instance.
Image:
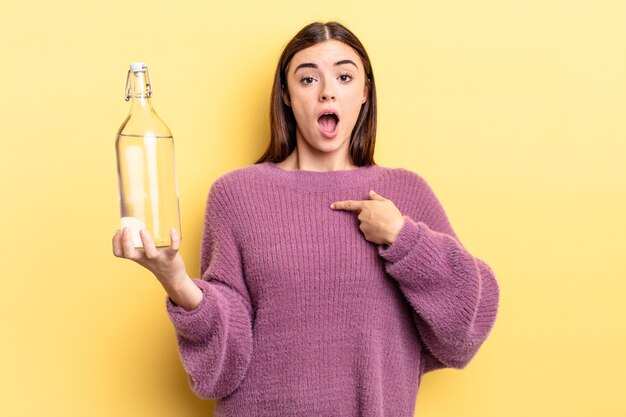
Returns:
(329, 285)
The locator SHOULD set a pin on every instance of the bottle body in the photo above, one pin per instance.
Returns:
(146, 168)
(147, 185)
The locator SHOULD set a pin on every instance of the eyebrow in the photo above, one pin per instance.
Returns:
(312, 65)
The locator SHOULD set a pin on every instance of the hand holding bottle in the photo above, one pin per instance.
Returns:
(164, 262)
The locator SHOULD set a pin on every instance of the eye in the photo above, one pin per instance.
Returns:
(345, 77)
(306, 80)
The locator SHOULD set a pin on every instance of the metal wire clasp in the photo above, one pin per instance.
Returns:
(148, 84)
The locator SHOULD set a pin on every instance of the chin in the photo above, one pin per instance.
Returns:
(335, 142)
(326, 145)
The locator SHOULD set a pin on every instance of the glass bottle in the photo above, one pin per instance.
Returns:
(146, 165)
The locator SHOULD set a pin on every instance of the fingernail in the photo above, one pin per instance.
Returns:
(372, 192)
(332, 206)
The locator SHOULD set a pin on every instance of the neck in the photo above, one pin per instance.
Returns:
(303, 161)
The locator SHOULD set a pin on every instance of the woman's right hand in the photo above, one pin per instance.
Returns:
(165, 263)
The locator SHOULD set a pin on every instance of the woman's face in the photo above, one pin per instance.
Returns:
(326, 89)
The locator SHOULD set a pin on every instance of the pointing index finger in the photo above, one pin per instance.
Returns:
(351, 205)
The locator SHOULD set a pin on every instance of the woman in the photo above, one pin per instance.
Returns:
(319, 296)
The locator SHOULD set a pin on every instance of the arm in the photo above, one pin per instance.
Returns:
(215, 338)
(454, 295)
(165, 263)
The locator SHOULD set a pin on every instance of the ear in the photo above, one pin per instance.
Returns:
(285, 93)
(366, 91)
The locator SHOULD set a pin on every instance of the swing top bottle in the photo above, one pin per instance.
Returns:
(146, 165)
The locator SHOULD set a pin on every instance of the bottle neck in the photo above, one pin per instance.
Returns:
(138, 89)
(142, 118)
(140, 104)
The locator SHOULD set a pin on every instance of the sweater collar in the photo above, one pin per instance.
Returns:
(320, 179)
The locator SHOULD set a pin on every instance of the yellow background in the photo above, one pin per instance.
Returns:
(514, 111)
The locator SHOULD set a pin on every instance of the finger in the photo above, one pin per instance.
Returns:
(117, 244)
(175, 238)
(128, 246)
(351, 205)
(375, 196)
(148, 244)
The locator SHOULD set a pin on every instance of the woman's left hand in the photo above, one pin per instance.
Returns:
(381, 221)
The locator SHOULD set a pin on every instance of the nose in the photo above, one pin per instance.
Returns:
(327, 92)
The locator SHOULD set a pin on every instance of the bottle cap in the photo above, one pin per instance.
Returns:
(138, 66)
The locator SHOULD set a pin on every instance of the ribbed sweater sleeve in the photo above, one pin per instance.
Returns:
(215, 339)
(453, 294)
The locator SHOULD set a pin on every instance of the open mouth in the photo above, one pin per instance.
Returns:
(328, 123)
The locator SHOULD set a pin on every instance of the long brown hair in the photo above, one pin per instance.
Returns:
(283, 122)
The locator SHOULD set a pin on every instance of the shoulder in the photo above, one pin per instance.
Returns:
(415, 198)
(236, 176)
(227, 191)
(403, 173)
(407, 180)
(232, 182)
